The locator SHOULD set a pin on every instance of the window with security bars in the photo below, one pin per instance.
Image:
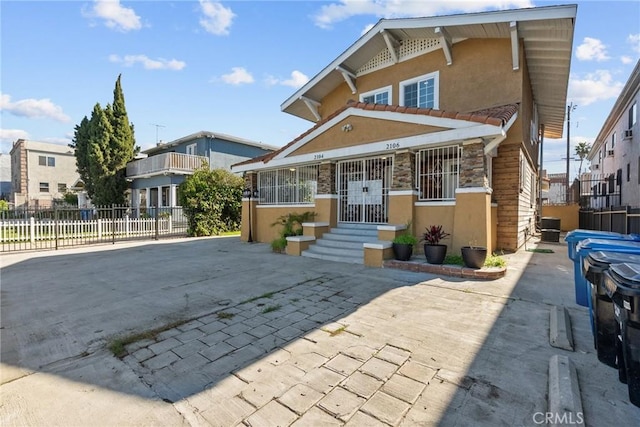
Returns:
(288, 186)
(437, 173)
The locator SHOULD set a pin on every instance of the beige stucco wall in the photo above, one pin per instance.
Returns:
(401, 209)
(263, 217)
(481, 76)
(569, 215)
(472, 221)
(426, 216)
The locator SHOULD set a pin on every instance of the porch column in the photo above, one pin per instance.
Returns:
(472, 224)
(326, 198)
(402, 195)
(148, 201)
(249, 209)
(172, 196)
(135, 202)
(159, 202)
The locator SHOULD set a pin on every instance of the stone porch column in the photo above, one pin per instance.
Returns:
(402, 194)
(472, 218)
(326, 199)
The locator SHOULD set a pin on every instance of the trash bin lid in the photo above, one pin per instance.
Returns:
(627, 277)
(600, 260)
(628, 246)
(580, 234)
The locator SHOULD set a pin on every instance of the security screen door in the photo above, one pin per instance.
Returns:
(363, 190)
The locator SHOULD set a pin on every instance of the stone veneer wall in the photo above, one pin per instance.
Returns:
(327, 178)
(251, 180)
(473, 167)
(404, 171)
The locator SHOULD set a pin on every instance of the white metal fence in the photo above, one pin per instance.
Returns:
(56, 228)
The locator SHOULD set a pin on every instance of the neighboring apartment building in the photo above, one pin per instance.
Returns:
(5, 177)
(41, 172)
(615, 154)
(557, 188)
(430, 120)
(155, 179)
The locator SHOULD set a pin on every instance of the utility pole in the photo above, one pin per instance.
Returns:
(570, 108)
(157, 126)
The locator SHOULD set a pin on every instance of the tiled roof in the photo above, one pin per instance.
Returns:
(496, 116)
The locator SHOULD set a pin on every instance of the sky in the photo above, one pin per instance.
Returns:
(227, 66)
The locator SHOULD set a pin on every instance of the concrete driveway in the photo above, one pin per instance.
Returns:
(329, 343)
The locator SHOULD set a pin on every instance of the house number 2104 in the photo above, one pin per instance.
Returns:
(318, 156)
(393, 145)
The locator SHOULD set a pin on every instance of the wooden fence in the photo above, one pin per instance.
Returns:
(57, 228)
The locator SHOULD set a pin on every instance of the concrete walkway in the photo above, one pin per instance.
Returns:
(267, 340)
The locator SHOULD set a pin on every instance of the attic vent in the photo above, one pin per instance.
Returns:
(408, 49)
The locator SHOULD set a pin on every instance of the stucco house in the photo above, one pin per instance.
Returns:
(155, 177)
(434, 120)
(615, 154)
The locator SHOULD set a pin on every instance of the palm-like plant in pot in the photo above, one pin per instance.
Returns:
(434, 251)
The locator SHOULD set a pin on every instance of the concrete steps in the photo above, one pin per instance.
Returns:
(343, 243)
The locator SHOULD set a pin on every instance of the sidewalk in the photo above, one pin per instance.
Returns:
(300, 342)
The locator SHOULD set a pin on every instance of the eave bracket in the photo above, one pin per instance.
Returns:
(445, 41)
(312, 105)
(392, 45)
(349, 77)
(515, 45)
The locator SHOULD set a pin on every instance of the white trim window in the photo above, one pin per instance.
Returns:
(191, 149)
(438, 173)
(421, 92)
(633, 115)
(288, 186)
(378, 96)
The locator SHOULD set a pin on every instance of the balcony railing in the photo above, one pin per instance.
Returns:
(177, 163)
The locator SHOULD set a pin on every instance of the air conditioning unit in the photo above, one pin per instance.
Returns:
(596, 166)
(610, 153)
(628, 134)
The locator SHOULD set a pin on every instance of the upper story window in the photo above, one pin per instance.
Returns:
(44, 187)
(420, 91)
(378, 96)
(191, 149)
(613, 140)
(633, 114)
(46, 161)
(288, 185)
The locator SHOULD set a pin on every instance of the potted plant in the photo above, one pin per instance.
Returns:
(403, 246)
(434, 251)
(474, 256)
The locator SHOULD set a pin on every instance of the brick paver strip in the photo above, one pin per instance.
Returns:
(241, 340)
(256, 320)
(212, 327)
(143, 354)
(190, 335)
(344, 365)
(271, 414)
(214, 338)
(289, 333)
(379, 368)
(228, 412)
(161, 360)
(190, 363)
(296, 316)
(260, 331)
(417, 371)
(403, 388)
(236, 329)
(189, 325)
(360, 352)
(317, 417)
(300, 398)
(307, 361)
(341, 403)
(217, 351)
(189, 348)
(133, 347)
(362, 384)
(305, 325)
(386, 408)
(165, 345)
(394, 355)
(167, 334)
(322, 379)
(361, 419)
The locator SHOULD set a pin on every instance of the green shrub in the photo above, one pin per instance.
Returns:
(291, 226)
(495, 261)
(279, 244)
(406, 239)
(453, 260)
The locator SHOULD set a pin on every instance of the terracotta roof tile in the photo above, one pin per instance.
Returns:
(496, 116)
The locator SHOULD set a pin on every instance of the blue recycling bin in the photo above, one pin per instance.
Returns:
(602, 311)
(586, 246)
(622, 284)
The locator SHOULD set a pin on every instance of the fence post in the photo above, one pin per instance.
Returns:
(99, 222)
(113, 224)
(32, 230)
(55, 225)
(157, 223)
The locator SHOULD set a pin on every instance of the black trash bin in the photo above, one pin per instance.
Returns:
(622, 282)
(594, 265)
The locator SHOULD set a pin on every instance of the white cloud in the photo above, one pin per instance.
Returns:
(237, 76)
(11, 135)
(592, 50)
(593, 87)
(634, 41)
(115, 15)
(626, 59)
(344, 9)
(366, 29)
(217, 18)
(297, 80)
(148, 63)
(33, 108)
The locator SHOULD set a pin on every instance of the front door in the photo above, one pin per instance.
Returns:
(363, 190)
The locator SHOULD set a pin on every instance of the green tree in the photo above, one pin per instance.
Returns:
(212, 201)
(582, 151)
(104, 144)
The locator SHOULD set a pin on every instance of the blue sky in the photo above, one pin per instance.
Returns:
(227, 66)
